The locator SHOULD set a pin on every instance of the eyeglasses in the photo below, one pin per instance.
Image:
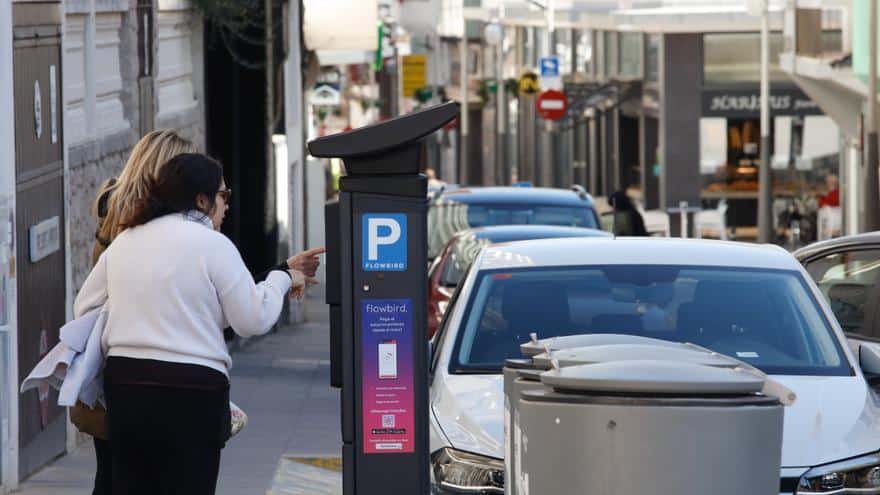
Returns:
(225, 194)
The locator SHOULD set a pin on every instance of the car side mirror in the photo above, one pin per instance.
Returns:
(869, 362)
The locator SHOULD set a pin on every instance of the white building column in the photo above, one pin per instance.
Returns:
(294, 115)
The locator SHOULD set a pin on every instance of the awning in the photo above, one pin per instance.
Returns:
(348, 25)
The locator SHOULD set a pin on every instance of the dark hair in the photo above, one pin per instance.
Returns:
(175, 190)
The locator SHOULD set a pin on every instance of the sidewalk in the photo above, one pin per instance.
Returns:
(292, 442)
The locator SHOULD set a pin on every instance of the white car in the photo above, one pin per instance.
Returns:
(755, 303)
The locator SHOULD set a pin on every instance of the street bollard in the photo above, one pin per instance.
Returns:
(377, 291)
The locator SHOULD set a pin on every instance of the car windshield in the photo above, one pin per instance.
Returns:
(767, 318)
(445, 219)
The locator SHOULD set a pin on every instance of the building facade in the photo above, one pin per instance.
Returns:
(836, 77)
(664, 100)
(85, 80)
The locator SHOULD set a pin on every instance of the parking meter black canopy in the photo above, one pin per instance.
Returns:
(386, 148)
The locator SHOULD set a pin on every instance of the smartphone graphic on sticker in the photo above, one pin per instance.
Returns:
(388, 360)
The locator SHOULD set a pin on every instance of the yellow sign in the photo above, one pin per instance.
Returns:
(528, 84)
(415, 74)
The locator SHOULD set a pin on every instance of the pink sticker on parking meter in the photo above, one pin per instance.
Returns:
(387, 376)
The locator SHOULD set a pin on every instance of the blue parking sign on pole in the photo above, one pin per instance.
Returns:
(550, 76)
(550, 66)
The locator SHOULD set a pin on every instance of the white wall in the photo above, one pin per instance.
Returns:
(175, 85)
(93, 79)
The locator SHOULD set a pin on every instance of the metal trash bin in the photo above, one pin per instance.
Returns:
(653, 427)
(525, 374)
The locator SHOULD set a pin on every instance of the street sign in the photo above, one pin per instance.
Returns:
(415, 74)
(550, 66)
(528, 84)
(550, 77)
(384, 242)
(552, 105)
(325, 95)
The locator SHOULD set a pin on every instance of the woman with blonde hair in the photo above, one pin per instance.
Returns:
(116, 200)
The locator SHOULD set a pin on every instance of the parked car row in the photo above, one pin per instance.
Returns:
(463, 220)
(801, 319)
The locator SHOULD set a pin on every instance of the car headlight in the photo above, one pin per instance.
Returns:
(860, 475)
(460, 472)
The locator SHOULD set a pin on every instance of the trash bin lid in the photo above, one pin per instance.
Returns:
(530, 375)
(522, 364)
(653, 377)
(682, 353)
(535, 347)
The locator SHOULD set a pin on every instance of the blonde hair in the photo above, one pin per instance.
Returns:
(124, 194)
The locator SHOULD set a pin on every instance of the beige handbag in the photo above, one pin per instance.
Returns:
(90, 421)
(94, 421)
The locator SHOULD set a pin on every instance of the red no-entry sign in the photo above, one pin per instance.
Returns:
(552, 104)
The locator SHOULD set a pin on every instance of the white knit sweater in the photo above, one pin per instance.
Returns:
(172, 286)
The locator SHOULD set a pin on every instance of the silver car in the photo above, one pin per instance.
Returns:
(755, 303)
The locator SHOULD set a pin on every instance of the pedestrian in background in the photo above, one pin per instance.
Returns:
(627, 219)
(171, 282)
(116, 199)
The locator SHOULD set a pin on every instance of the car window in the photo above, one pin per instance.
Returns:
(462, 254)
(767, 318)
(447, 218)
(847, 280)
(440, 335)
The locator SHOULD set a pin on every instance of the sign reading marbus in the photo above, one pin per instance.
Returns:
(384, 242)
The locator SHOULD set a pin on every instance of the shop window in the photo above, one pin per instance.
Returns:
(585, 51)
(832, 41)
(631, 47)
(652, 55)
(804, 165)
(610, 58)
(564, 45)
(736, 57)
(713, 145)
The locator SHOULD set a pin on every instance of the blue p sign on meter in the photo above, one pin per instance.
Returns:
(384, 242)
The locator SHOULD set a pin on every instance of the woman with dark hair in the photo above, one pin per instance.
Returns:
(170, 283)
(627, 219)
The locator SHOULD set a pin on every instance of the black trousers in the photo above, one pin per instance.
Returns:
(103, 473)
(165, 440)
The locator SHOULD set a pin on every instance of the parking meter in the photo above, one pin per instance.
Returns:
(377, 292)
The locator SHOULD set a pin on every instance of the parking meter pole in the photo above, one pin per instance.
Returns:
(377, 292)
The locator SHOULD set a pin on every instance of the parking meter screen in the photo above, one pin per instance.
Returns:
(388, 394)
